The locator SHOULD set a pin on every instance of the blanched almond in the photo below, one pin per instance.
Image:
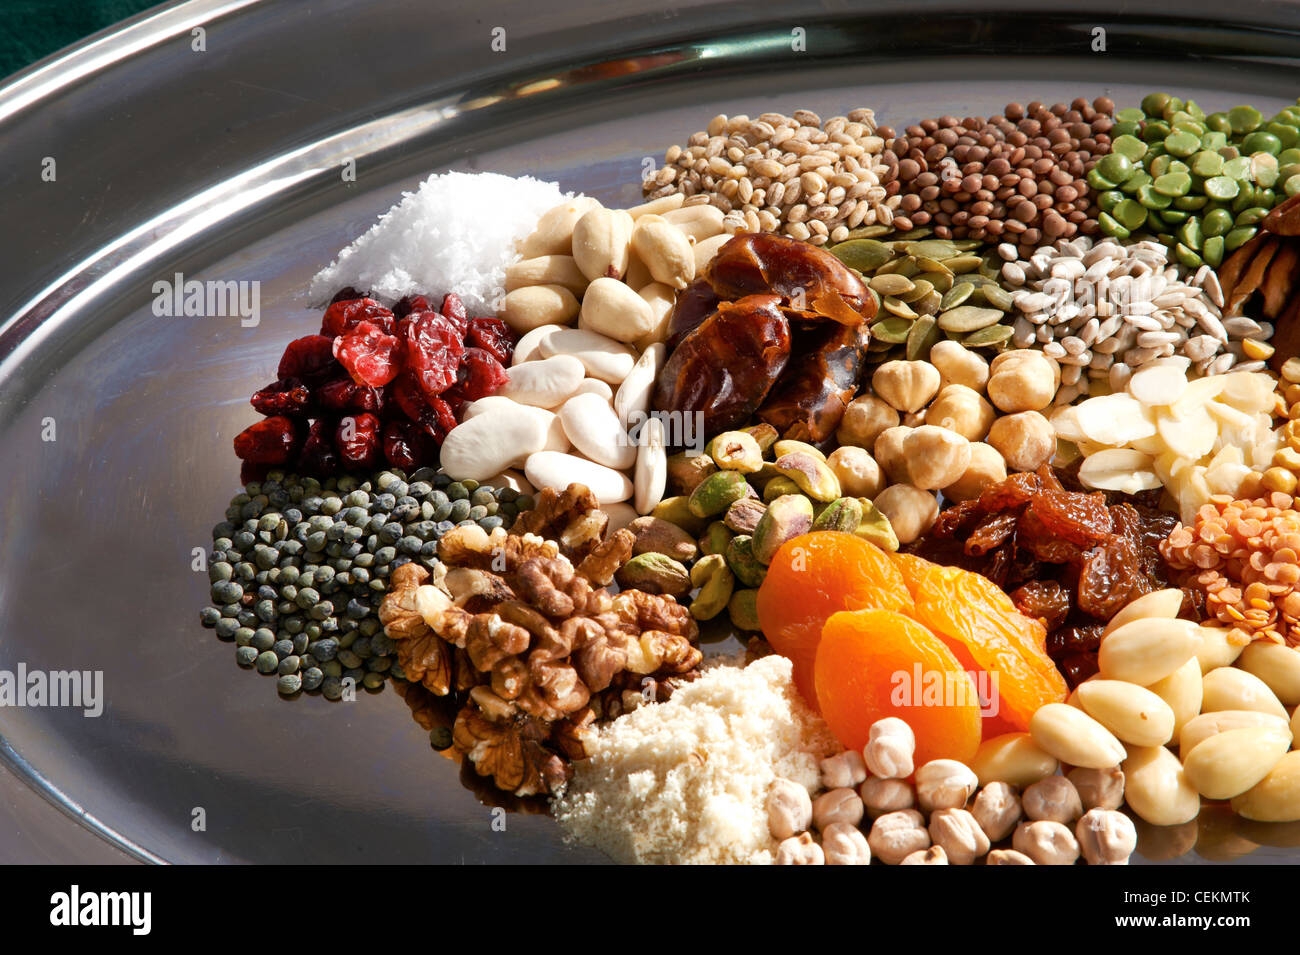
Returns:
(1276, 797)
(1182, 691)
(1147, 650)
(1201, 728)
(1227, 764)
(1159, 603)
(1074, 737)
(1012, 758)
(1119, 469)
(1229, 688)
(1133, 713)
(1156, 788)
(1277, 665)
(1215, 650)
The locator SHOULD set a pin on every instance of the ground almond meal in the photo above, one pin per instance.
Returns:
(686, 781)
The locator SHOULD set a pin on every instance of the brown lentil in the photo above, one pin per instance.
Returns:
(1018, 178)
(1245, 556)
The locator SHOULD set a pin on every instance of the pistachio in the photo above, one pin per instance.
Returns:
(715, 539)
(875, 527)
(686, 471)
(743, 515)
(743, 610)
(789, 446)
(743, 563)
(716, 493)
(657, 536)
(715, 580)
(736, 451)
(764, 434)
(813, 475)
(779, 486)
(655, 574)
(842, 514)
(786, 517)
(676, 510)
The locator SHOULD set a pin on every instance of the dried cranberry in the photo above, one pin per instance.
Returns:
(341, 317)
(358, 440)
(283, 397)
(345, 395)
(454, 309)
(406, 445)
(433, 349)
(407, 395)
(411, 303)
(250, 471)
(269, 441)
(310, 358)
(492, 335)
(318, 456)
(480, 374)
(371, 356)
(347, 293)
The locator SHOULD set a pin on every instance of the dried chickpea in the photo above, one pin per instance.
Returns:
(1054, 799)
(986, 468)
(890, 746)
(789, 808)
(961, 409)
(800, 850)
(859, 474)
(1280, 480)
(896, 835)
(886, 795)
(864, 419)
(931, 856)
(1025, 440)
(844, 844)
(1008, 857)
(997, 809)
(1106, 836)
(1099, 788)
(837, 805)
(959, 835)
(1046, 842)
(945, 784)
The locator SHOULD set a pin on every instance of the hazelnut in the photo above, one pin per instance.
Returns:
(886, 795)
(1026, 440)
(838, 805)
(958, 365)
(1099, 788)
(931, 856)
(800, 850)
(845, 845)
(1046, 842)
(945, 784)
(843, 770)
(963, 410)
(889, 749)
(1008, 857)
(959, 835)
(864, 418)
(859, 474)
(1053, 798)
(789, 808)
(986, 468)
(896, 835)
(997, 810)
(1022, 380)
(888, 451)
(906, 385)
(1107, 837)
(910, 510)
(935, 457)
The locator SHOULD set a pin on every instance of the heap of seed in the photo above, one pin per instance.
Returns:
(1019, 177)
(299, 568)
(788, 174)
(1108, 309)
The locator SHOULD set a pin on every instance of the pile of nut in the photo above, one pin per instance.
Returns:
(519, 626)
(1020, 177)
(951, 814)
(934, 425)
(735, 504)
(795, 175)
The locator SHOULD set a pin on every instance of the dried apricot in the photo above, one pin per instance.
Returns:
(979, 623)
(814, 576)
(876, 663)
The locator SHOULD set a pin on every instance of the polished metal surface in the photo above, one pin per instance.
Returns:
(225, 164)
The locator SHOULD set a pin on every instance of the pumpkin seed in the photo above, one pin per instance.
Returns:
(920, 289)
(997, 296)
(984, 337)
(892, 284)
(956, 295)
(866, 255)
(891, 330)
(932, 249)
(896, 307)
(940, 280)
(968, 318)
(913, 235)
(869, 232)
(923, 336)
(932, 265)
(928, 305)
(963, 263)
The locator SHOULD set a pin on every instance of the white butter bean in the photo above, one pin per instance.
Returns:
(594, 429)
(620, 513)
(558, 470)
(529, 346)
(601, 356)
(632, 400)
(594, 386)
(650, 474)
(491, 442)
(544, 384)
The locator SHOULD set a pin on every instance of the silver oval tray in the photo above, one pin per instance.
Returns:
(226, 164)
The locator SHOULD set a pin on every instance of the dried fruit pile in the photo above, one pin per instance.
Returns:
(375, 386)
(1069, 559)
